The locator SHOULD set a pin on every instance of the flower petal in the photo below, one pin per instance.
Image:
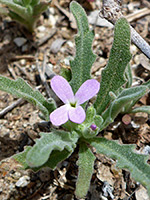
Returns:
(77, 115)
(62, 88)
(59, 116)
(87, 90)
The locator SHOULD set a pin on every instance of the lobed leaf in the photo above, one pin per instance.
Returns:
(54, 141)
(126, 159)
(21, 89)
(122, 103)
(113, 74)
(82, 63)
(85, 163)
(55, 158)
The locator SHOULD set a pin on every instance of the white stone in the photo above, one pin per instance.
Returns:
(70, 44)
(41, 28)
(23, 181)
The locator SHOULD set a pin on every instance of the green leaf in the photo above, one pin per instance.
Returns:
(26, 2)
(55, 158)
(128, 75)
(21, 157)
(145, 109)
(66, 73)
(35, 2)
(57, 140)
(40, 8)
(113, 75)
(26, 12)
(122, 103)
(16, 8)
(147, 84)
(85, 163)
(126, 159)
(21, 89)
(82, 63)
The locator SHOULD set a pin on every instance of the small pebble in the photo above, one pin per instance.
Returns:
(41, 28)
(70, 44)
(20, 41)
(24, 48)
(7, 39)
(56, 45)
(52, 10)
(23, 181)
(22, 62)
(44, 174)
(126, 119)
(52, 20)
(16, 175)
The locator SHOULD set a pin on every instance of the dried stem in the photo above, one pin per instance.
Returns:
(11, 107)
(111, 10)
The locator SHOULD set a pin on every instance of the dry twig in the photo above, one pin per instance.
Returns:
(111, 10)
(11, 107)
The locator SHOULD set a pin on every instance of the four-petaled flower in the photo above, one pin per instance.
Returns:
(71, 110)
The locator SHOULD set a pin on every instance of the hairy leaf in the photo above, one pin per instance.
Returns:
(113, 75)
(126, 159)
(21, 157)
(147, 84)
(128, 75)
(82, 63)
(26, 12)
(16, 8)
(145, 109)
(21, 89)
(56, 140)
(85, 163)
(26, 2)
(121, 103)
(55, 158)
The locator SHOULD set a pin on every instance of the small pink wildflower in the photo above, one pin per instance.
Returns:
(71, 110)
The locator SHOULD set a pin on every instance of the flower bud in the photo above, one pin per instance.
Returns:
(93, 127)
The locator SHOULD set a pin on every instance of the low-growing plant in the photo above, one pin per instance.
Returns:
(78, 123)
(26, 12)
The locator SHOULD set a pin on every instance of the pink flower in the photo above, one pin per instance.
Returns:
(71, 110)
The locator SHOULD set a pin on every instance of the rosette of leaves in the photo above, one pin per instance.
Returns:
(116, 96)
(26, 12)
